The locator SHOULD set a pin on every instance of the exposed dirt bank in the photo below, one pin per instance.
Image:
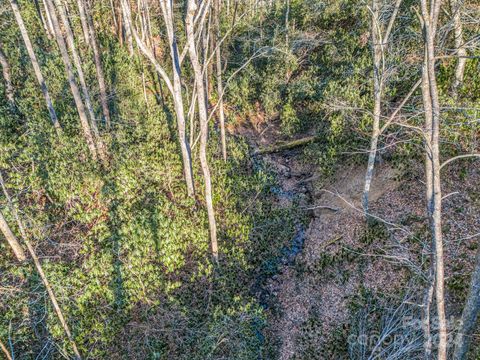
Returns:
(336, 259)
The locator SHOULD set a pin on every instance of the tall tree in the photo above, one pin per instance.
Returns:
(174, 86)
(42, 18)
(50, 32)
(461, 52)
(83, 6)
(36, 66)
(83, 21)
(128, 32)
(87, 132)
(78, 66)
(380, 39)
(81, 77)
(427, 109)
(203, 115)
(430, 13)
(218, 65)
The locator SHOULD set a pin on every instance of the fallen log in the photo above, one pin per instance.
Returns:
(286, 145)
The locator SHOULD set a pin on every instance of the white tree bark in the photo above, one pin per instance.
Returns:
(427, 106)
(175, 89)
(202, 110)
(459, 45)
(167, 12)
(36, 66)
(379, 47)
(377, 51)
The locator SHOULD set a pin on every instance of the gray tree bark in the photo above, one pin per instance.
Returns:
(127, 25)
(83, 21)
(459, 45)
(42, 18)
(377, 93)
(9, 94)
(98, 62)
(87, 132)
(78, 65)
(81, 77)
(11, 239)
(430, 24)
(50, 32)
(379, 46)
(202, 110)
(177, 91)
(427, 107)
(469, 315)
(218, 65)
(36, 66)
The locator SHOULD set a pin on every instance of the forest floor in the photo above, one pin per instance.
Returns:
(336, 258)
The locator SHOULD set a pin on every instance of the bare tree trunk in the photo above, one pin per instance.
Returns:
(175, 88)
(38, 266)
(203, 54)
(83, 21)
(128, 30)
(36, 66)
(42, 18)
(5, 351)
(98, 62)
(71, 81)
(218, 64)
(50, 32)
(120, 23)
(148, 24)
(177, 97)
(427, 304)
(114, 16)
(469, 315)
(427, 107)
(436, 215)
(202, 110)
(287, 18)
(379, 46)
(7, 77)
(12, 240)
(191, 114)
(78, 66)
(459, 45)
(377, 90)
